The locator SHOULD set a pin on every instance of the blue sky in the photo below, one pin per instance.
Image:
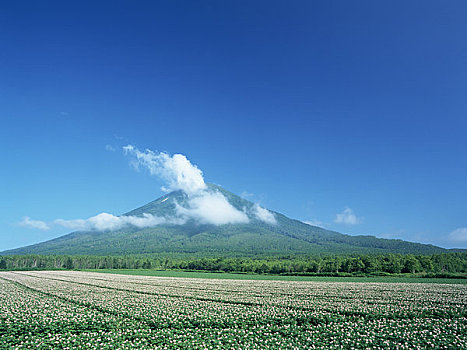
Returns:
(312, 109)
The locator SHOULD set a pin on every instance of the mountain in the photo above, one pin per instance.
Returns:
(256, 237)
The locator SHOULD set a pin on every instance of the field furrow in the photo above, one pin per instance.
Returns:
(95, 310)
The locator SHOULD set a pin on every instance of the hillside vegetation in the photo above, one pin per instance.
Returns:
(192, 239)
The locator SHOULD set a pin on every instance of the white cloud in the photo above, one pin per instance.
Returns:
(212, 208)
(203, 205)
(264, 214)
(176, 170)
(246, 194)
(348, 217)
(314, 223)
(28, 222)
(100, 222)
(207, 208)
(110, 148)
(459, 235)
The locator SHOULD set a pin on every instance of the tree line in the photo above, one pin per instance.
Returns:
(362, 264)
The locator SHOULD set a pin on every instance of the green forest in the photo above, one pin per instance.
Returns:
(388, 264)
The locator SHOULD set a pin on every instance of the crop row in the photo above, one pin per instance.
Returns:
(407, 300)
(99, 310)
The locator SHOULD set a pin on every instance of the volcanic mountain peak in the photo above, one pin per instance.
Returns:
(217, 222)
(215, 205)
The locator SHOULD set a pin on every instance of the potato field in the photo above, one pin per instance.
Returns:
(71, 309)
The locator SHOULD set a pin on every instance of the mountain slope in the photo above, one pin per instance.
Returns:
(286, 236)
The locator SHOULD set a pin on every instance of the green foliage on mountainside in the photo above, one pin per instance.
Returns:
(255, 238)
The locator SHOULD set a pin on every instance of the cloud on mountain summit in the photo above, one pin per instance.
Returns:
(177, 171)
(204, 205)
(212, 208)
